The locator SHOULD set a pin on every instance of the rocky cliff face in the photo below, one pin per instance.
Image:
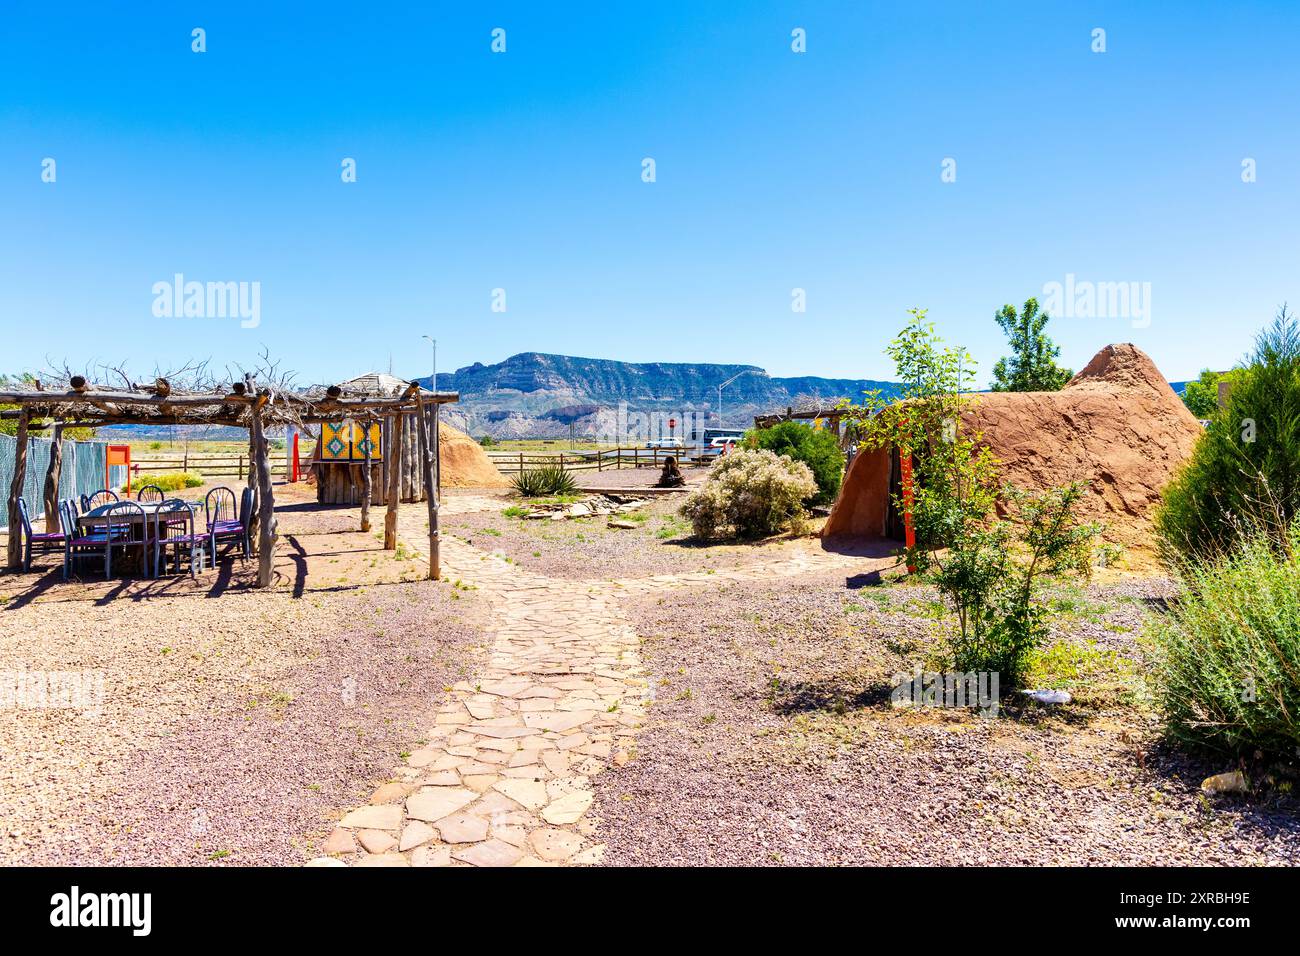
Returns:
(535, 395)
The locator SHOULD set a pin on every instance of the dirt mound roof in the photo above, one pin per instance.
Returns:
(464, 462)
(1117, 426)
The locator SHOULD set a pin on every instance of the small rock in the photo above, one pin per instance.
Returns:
(324, 861)
(1232, 782)
(376, 841)
(629, 525)
(340, 841)
(1048, 696)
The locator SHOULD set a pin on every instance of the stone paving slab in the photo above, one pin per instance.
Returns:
(505, 775)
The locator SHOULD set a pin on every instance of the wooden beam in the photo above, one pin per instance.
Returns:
(366, 481)
(429, 430)
(15, 542)
(394, 488)
(266, 529)
(52, 475)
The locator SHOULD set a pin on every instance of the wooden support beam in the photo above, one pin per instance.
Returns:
(52, 475)
(266, 529)
(394, 488)
(15, 543)
(366, 481)
(429, 429)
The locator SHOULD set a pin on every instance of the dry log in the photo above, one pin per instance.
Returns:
(428, 430)
(52, 475)
(394, 492)
(15, 542)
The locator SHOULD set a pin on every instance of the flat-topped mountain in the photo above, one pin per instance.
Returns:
(536, 395)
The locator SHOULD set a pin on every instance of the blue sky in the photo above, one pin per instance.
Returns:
(522, 171)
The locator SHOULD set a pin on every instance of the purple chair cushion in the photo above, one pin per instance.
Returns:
(48, 536)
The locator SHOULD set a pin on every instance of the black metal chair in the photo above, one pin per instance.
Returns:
(102, 497)
(150, 494)
(225, 522)
(48, 540)
(178, 517)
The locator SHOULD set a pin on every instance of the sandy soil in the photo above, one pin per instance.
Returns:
(233, 721)
(587, 549)
(771, 740)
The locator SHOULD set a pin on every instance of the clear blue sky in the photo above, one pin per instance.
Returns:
(522, 171)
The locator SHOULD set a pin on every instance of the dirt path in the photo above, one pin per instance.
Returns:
(504, 776)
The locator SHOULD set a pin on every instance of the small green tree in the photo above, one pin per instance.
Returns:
(1032, 365)
(989, 567)
(815, 447)
(1202, 395)
(1243, 472)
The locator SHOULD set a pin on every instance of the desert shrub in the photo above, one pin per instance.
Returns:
(487, 441)
(751, 493)
(1243, 472)
(1227, 667)
(817, 449)
(171, 481)
(546, 480)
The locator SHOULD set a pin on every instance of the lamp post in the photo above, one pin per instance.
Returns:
(721, 424)
(433, 382)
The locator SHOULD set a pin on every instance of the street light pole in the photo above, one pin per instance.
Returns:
(721, 385)
(433, 382)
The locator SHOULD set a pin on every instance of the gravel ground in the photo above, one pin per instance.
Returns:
(636, 477)
(585, 549)
(771, 740)
(235, 724)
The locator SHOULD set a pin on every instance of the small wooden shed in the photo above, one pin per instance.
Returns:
(343, 448)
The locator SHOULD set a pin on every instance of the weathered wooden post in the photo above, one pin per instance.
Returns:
(15, 549)
(429, 428)
(265, 497)
(52, 476)
(394, 486)
(365, 480)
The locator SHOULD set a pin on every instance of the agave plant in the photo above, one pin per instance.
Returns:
(543, 481)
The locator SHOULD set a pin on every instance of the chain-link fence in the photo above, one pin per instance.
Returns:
(82, 472)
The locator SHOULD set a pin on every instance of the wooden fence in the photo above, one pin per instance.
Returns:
(605, 459)
(210, 466)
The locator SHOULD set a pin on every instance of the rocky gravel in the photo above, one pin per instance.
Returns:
(234, 723)
(771, 741)
(585, 548)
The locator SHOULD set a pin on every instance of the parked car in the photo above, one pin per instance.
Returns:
(665, 443)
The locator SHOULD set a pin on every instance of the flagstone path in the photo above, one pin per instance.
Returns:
(503, 777)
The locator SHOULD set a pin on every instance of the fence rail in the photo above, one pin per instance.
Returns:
(218, 466)
(604, 459)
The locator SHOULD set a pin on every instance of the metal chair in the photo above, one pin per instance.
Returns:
(115, 534)
(102, 497)
(150, 494)
(224, 521)
(48, 540)
(175, 513)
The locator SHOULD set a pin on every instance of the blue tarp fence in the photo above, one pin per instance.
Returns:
(82, 472)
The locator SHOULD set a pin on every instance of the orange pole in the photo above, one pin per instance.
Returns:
(909, 532)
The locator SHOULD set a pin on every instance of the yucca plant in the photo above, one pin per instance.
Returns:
(544, 481)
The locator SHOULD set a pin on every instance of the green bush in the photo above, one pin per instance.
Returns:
(751, 493)
(487, 441)
(1228, 652)
(817, 449)
(171, 481)
(1243, 472)
(543, 481)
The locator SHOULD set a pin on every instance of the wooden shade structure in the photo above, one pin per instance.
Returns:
(245, 404)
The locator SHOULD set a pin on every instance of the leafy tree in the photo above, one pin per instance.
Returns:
(1243, 473)
(1202, 395)
(816, 448)
(990, 568)
(1032, 366)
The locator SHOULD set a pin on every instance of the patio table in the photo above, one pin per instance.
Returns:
(99, 516)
